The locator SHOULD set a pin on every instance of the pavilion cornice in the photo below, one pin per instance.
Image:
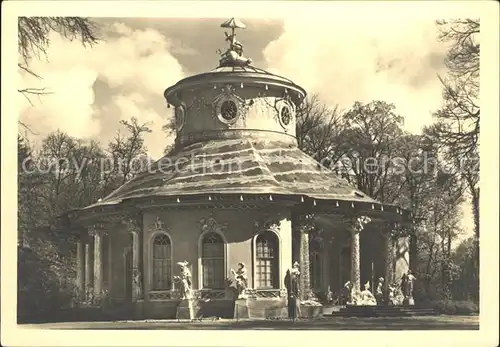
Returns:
(248, 79)
(298, 204)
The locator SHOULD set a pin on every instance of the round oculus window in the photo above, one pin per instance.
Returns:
(228, 110)
(285, 115)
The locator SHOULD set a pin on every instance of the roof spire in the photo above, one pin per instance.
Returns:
(233, 56)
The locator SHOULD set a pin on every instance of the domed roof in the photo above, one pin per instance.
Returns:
(239, 166)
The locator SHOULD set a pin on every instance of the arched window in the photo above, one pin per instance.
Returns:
(212, 261)
(315, 263)
(162, 262)
(266, 261)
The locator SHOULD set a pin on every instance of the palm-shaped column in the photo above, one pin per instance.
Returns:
(387, 254)
(357, 225)
(134, 226)
(80, 270)
(97, 232)
(89, 270)
(303, 225)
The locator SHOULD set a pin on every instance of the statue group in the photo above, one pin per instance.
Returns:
(356, 297)
(398, 294)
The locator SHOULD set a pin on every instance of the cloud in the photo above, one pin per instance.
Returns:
(390, 58)
(135, 66)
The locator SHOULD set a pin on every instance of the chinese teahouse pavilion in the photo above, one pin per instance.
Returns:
(235, 189)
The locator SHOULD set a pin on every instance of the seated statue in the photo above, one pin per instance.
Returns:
(234, 54)
(354, 296)
(367, 297)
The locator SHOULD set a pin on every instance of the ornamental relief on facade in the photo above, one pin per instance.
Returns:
(230, 108)
(268, 223)
(209, 223)
(158, 224)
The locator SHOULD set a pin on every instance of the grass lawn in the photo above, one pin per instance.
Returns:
(327, 323)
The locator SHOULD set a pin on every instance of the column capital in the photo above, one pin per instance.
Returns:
(96, 229)
(132, 221)
(357, 223)
(132, 224)
(305, 222)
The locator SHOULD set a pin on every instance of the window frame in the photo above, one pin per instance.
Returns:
(277, 280)
(200, 258)
(154, 235)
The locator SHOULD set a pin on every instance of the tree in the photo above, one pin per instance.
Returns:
(457, 122)
(129, 153)
(65, 174)
(319, 131)
(369, 143)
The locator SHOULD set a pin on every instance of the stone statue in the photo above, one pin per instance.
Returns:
(395, 295)
(329, 295)
(407, 284)
(241, 277)
(292, 283)
(354, 296)
(367, 297)
(184, 279)
(379, 293)
(136, 276)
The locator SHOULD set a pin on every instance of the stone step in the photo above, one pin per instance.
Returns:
(387, 314)
(386, 310)
(380, 311)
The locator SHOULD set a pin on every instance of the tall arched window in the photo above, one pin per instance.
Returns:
(212, 261)
(162, 262)
(315, 263)
(266, 261)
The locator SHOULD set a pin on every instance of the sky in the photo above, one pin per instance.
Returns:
(124, 76)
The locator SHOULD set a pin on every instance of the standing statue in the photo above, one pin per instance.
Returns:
(379, 292)
(184, 279)
(329, 295)
(407, 284)
(241, 277)
(292, 280)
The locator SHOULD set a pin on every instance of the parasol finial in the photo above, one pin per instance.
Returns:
(234, 55)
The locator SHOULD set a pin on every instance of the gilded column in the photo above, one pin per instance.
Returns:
(134, 226)
(80, 270)
(356, 227)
